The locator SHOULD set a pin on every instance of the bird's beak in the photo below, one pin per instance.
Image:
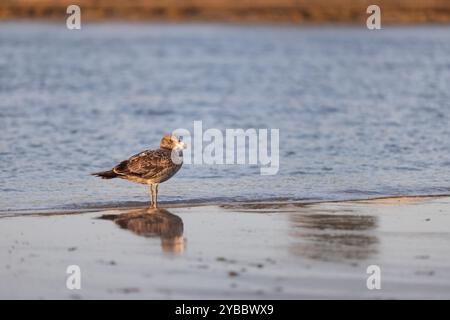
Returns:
(181, 145)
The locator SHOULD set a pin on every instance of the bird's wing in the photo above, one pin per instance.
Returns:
(146, 164)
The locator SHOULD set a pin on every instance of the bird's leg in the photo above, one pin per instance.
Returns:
(155, 203)
(151, 194)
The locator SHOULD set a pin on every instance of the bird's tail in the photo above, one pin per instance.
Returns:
(106, 174)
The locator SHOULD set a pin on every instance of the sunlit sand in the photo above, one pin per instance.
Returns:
(258, 251)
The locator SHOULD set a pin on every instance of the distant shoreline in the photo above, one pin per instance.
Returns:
(228, 11)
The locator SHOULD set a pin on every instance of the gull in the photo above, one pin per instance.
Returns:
(150, 167)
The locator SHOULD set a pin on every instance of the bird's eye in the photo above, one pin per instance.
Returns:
(180, 138)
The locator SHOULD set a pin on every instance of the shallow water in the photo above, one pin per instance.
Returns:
(361, 114)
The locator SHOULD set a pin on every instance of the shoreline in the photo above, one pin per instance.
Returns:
(260, 24)
(130, 205)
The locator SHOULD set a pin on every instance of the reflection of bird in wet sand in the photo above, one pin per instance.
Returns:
(150, 166)
(153, 223)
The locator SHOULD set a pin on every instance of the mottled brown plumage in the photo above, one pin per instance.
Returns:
(150, 166)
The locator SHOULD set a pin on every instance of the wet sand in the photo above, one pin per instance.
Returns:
(256, 251)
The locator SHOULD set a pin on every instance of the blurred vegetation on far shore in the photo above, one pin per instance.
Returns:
(243, 11)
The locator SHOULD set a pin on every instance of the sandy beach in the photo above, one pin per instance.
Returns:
(233, 251)
(273, 11)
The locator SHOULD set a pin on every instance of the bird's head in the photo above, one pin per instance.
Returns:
(171, 142)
